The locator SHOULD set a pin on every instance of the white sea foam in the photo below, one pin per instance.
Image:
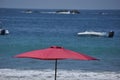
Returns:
(14, 74)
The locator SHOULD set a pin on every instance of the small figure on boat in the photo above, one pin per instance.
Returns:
(111, 34)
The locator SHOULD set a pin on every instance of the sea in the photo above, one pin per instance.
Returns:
(42, 28)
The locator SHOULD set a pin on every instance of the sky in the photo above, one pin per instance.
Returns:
(61, 4)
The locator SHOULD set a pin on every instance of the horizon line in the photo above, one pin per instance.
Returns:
(57, 8)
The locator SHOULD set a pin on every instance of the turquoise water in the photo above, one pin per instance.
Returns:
(42, 30)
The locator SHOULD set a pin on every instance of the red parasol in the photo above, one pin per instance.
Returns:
(55, 53)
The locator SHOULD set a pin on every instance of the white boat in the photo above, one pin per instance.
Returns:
(93, 33)
(65, 12)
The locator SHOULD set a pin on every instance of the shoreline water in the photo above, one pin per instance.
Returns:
(47, 74)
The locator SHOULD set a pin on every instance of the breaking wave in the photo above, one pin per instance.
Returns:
(47, 74)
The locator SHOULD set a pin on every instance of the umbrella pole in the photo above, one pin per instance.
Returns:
(55, 69)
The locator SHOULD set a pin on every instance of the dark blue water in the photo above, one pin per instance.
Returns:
(42, 30)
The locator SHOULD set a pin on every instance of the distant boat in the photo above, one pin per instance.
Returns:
(4, 32)
(67, 12)
(28, 11)
(93, 33)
